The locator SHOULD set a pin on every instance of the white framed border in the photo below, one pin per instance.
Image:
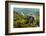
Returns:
(17, 30)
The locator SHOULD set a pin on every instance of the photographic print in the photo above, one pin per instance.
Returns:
(24, 17)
